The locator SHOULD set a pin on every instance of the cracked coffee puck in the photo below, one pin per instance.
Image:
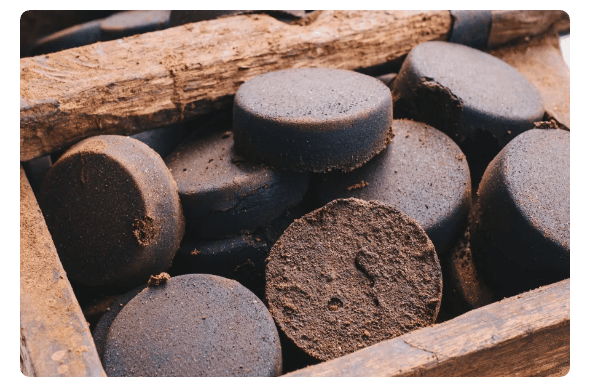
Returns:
(222, 193)
(312, 119)
(480, 101)
(521, 235)
(422, 172)
(193, 326)
(113, 211)
(351, 274)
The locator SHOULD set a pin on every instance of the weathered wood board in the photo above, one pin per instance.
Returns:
(525, 335)
(54, 337)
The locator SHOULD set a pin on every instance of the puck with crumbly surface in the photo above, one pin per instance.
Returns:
(351, 274)
(113, 211)
(193, 326)
(423, 173)
(312, 119)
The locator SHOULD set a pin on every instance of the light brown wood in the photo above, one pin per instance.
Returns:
(525, 335)
(145, 81)
(540, 60)
(55, 339)
(511, 25)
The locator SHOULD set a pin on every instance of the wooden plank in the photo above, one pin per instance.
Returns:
(55, 338)
(540, 60)
(525, 335)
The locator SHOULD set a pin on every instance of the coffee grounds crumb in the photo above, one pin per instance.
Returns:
(195, 252)
(144, 230)
(156, 280)
(359, 185)
(546, 125)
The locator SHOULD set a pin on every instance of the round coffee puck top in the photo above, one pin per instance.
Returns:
(422, 172)
(351, 274)
(480, 101)
(222, 193)
(193, 326)
(524, 207)
(312, 119)
(113, 211)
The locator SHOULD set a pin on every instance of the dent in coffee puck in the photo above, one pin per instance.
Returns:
(193, 326)
(113, 211)
(351, 274)
(222, 193)
(480, 101)
(423, 173)
(521, 235)
(312, 119)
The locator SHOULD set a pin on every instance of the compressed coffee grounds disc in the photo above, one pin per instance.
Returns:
(480, 101)
(422, 172)
(222, 193)
(194, 326)
(351, 274)
(312, 119)
(113, 211)
(521, 237)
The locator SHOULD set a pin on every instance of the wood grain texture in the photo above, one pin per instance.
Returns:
(525, 335)
(511, 25)
(149, 80)
(55, 339)
(540, 60)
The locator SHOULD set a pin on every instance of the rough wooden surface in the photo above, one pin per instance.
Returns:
(149, 80)
(540, 60)
(525, 335)
(510, 25)
(55, 339)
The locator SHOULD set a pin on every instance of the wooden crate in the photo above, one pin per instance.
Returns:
(195, 69)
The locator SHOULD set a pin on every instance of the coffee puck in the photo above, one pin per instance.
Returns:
(113, 211)
(193, 326)
(521, 233)
(312, 119)
(351, 274)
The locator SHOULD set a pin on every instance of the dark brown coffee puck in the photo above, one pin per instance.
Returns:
(422, 172)
(521, 234)
(222, 193)
(480, 101)
(164, 139)
(113, 211)
(351, 274)
(193, 326)
(312, 119)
